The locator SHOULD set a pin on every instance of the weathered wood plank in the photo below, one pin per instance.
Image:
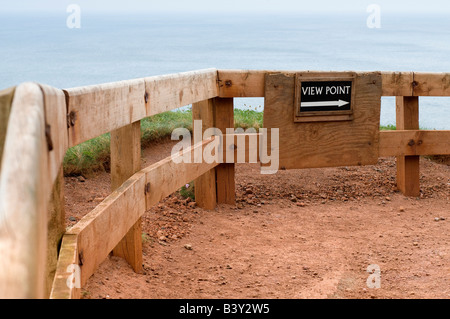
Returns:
(57, 132)
(99, 109)
(125, 161)
(6, 98)
(169, 92)
(407, 118)
(125, 153)
(431, 84)
(225, 173)
(250, 83)
(205, 185)
(24, 194)
(241, 83)
(417, 142)
(324, 144)
(105, 226)
(56, 229)
(37, 135)
(168, 175)
(397, 83)
(67, 283)
(241, 147)
(407, 113)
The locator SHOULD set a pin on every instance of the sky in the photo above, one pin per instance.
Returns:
(228, 6)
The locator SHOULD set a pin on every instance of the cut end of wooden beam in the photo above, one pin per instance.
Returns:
(67, 282)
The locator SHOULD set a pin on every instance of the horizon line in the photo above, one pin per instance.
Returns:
(209, 11)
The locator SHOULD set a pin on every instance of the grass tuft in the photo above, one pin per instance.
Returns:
(160, 126)
(188, 190)
(388, 127)
(92, 155)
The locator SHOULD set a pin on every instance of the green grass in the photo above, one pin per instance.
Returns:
(89, 156)
(248, 118)
(387, 127)
(160, 126)
(188, 190)
(94, 155)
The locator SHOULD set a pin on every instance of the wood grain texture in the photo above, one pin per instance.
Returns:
(397, 83)
(431, 84)
(56, 229)
(125, 153)
(408, 168)
(66, 270)
(56, 119)
(37, 135)
(205, 185)
(250, 83)
(407, 113)
(167, 176)
(104, 227)
(414, 143)
(125, 161)
(324, 144)
(168, 92)
(243, 147)
(24, 192)
(6, 98)
(99, 109)
(225, 173)
(241, 83)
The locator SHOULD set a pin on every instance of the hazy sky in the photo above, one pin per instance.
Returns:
(398, 6)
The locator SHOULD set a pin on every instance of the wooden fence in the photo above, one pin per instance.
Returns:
(38, 123)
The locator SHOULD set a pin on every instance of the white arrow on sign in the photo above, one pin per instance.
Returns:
(338, 103)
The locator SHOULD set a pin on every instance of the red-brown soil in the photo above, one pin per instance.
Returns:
(307, 233)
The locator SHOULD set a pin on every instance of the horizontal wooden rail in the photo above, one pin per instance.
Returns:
(416, 84)
(414, 143)
(98, 109)
(250, 83)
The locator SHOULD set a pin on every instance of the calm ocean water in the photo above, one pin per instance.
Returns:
(112, 48)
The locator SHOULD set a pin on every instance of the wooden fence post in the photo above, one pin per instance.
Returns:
(408, 173)
(205, 185)
(224, 118)
(125, 161)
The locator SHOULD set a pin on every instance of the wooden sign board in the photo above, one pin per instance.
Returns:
(324, 134)
(318, 97)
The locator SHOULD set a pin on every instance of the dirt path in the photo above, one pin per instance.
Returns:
(297, 234)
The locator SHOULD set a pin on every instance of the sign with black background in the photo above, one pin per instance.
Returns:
(319, 96)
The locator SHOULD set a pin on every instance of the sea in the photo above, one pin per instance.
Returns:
(41, 47)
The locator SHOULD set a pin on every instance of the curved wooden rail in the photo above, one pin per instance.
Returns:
(30, 165)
